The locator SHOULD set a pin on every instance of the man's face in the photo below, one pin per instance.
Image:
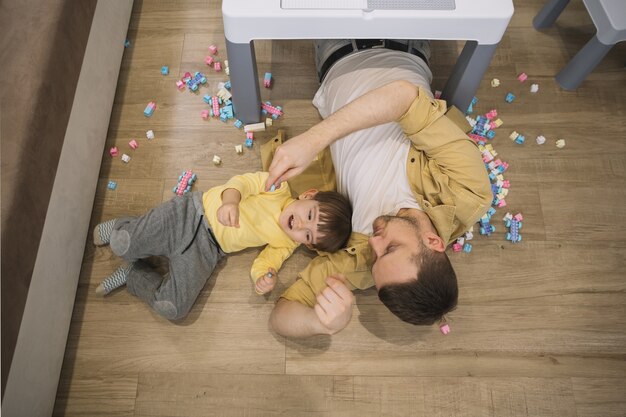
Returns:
(395, 244)
(300, 220)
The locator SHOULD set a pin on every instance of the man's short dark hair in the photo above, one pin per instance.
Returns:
(335, 221)
(425, 300)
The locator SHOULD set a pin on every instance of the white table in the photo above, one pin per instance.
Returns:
(480, 22)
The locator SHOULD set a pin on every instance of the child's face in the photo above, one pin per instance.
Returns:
(300, 219)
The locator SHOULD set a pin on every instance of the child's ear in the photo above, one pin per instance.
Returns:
(308, 195)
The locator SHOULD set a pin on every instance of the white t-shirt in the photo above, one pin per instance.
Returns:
(370, 164)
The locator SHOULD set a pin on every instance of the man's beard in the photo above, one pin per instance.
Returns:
(410, 222)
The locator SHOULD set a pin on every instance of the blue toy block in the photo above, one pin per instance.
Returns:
(467, 248)
(238, 124)
(112, 185)
(207, 99)
(248, 143)
(126, 43)
(227, 85)
(520, 139)
(491, 134)
(165, 70)
(509, 97)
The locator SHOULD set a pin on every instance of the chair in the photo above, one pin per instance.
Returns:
(609, 17)
(480, 22)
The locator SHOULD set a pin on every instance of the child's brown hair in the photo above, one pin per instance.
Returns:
(335, 221)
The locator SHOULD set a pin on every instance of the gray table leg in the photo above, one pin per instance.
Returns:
(582, 64)
(467, 74)
(244, 81)
(550, 12)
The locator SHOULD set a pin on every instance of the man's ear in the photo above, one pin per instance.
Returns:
(308, 195)
(433, 241)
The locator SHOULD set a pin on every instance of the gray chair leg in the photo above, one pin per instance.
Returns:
(550, 12)
(467, 74)
(582, 64)
(244, 81)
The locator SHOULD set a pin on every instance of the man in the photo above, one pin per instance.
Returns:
(415, 181)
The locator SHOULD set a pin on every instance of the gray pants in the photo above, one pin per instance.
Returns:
(179, 231)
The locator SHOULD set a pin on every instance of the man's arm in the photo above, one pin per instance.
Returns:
(382, 105)
(331, 313)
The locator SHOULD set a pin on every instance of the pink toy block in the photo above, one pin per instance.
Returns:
(492, 114)
(187, 75)
(271, 109)
(133, 144)
(506, 184)
(437, 94)
(249, 135)
(213, 49)
(216, 106)
(217, 66)
(208, 60)
(457, 247)
(518, 217)
(204, 114)
(114, 151)
(180, 85)
(522, 77)
(502, 203)
(444, 328)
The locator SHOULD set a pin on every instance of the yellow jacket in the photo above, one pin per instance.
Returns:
(447, 176)
(258, 221)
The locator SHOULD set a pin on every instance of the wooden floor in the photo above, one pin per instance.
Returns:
(540, 329)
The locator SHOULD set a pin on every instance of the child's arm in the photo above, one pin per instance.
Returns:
(269, 260)
(228, 213)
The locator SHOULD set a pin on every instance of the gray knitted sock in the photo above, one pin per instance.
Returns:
(102, 233)
(115, 280)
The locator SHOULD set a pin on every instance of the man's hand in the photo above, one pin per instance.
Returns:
(266, 283)
(292, 158)
(334, 304)
(228, 214)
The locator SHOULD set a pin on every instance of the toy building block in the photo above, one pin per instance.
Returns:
(207, 99)
(213, 49)
(204, 114)
(467, 248)
(470, 108)
(239, 149)
(217, 160)
(514, 224)
(133, 144)
(238, 124)
(149, 109)
(560, 143)
(217, 66)
(254, 127)
(126, 43)
(267, 80)
(541, 140)
(268, 121)
(150, 134)
(495, 82)
(125, 158)
(226, 70)
(522, 77)
(180, 84)
(496, 123)
(509, 98)
(224, 94)
(534, 88)
(249, 143)
(216, 106)
(520, 139)
(113, 151)
(249, 135)
(112, 185)
(444, 329)
(209, 60)
(513, 135)
(437, 94)
(165, 70)
(457, 247)
(185, 181)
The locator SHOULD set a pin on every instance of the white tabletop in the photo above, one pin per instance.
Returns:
(481, 20)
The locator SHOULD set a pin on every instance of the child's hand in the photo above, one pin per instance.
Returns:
(228, 214)
(266, 283)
